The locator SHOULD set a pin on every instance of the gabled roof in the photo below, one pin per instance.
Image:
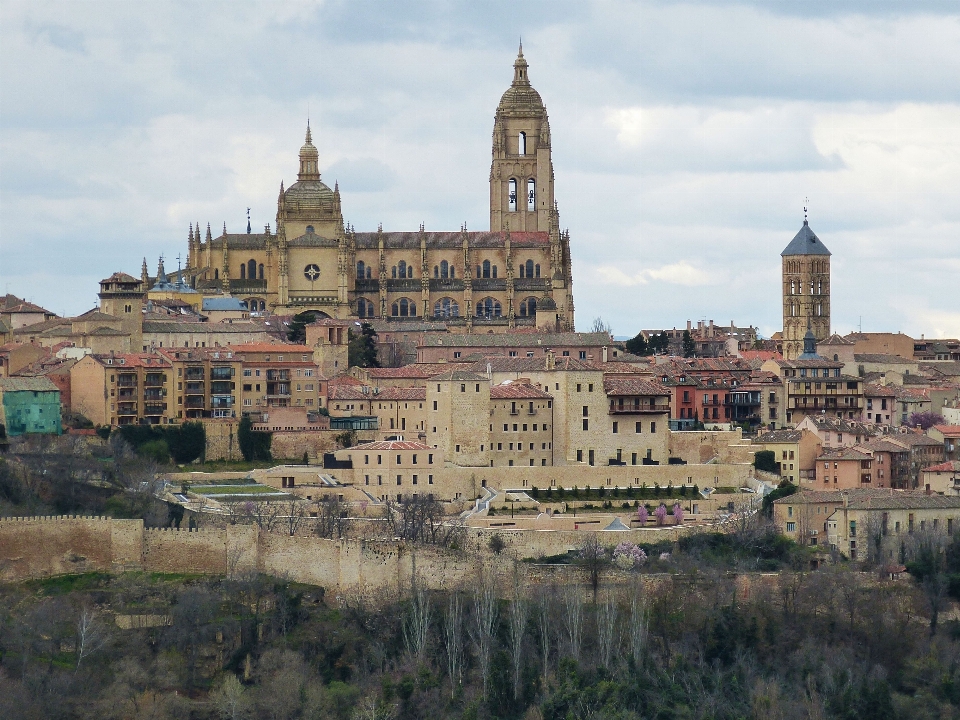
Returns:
(27, 384)
(836, 340)
(391, 445)
(632, 385)
(395, 394)
(518, 391)
(780, 436)
(949, 466)
(459, 376)
(805, 242)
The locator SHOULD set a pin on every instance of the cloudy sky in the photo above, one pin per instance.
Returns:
(686, 136)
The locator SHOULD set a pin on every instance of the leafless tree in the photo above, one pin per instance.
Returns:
(370, 708)
(592, 557)
(483, 630)
(331, 517)
(229, 698)
(545, 621)
(91, 634)
(294, 515)
(600, 325)
(416, 623)
(266, 514)
(420, 518)
(453, 634)
(638, 627)
(573, 619)
(607, 629)
(517, 614)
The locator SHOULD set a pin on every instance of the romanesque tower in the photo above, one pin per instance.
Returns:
(806, 291)
(521, 174)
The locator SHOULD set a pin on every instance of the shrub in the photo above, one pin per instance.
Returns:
(155, 450)
(187, 442)
(765, 460)
(496, 544)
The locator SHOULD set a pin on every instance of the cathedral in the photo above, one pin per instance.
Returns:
(516, 274)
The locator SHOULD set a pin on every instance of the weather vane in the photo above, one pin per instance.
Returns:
(806, 201)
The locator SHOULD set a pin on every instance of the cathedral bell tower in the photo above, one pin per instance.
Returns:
(521, 174)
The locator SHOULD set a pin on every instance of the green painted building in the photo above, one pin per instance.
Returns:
(30, 405)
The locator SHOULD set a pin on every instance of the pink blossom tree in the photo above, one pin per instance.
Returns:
(661, 513)
(642, 515)
(677, 513)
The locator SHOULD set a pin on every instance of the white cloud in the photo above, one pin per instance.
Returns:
(680, 273)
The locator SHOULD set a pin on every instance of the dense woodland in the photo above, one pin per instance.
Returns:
(593, 640)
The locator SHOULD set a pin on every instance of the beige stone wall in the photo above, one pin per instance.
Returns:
(222, 441)
(292, 445)
(460, 424)
(519, 435)
(88, 391)
(697, 446)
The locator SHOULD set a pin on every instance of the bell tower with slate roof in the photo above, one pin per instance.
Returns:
(806, 291)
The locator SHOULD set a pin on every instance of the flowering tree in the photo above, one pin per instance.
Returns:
(628, 556)
(677, 513)
(661, 513)
(642, 515)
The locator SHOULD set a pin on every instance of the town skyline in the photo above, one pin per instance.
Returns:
(708, 194)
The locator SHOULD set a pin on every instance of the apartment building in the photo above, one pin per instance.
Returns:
(207, 382)
(124, 389)
(279, 376)
(399, 411)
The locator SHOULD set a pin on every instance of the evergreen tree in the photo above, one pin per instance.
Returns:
(638, 345)
(297, 332)
(362, 351)
(689, 347)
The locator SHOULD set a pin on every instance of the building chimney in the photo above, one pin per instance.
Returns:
(604, 351)
(551, 362)
(689, 325)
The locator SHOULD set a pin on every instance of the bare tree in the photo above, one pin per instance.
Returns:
(517, 615)
(229, 698)
(91, 634)
(453, 634)
(266, 514)
(593, 558)
(545, 628)
(607, 629)
(638, 627)
(573, 619)
(332, 519)
(369, 708)
(600, 325)
(484, 627)
(416, 623)
(295, 515)
(420, 518)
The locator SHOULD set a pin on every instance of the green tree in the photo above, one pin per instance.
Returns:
(362, 351)
(765, 460)
(638, 345)
(297, 331)
(254, 444)
(187, 442)
(659, 344)
(689, 347)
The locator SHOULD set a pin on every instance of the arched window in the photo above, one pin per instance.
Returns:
(522, 143)
(402, 269)
(436, 271)
(531, 194)
(361, 270)
(453, 272)
(819, 287)
(446, 308)
(494, 269)
(404, 308)
(260, 271)
(536, 270)
(216, 273)
(512, 195)
(811, 287)
(488, 308)
(243, 271)
(364, 308)
(528, 307)
(528, 266)
(444, 269)
(252, 269)
(486, 268)
(393, 271)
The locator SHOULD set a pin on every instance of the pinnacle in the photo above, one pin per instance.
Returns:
(309, 138)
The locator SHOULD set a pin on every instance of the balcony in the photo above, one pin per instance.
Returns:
(445, 285)
(153, 410)
(127, 394)
(489, 285)
(403, 286)
(638, 408)
(127, 381)
(278, 375)
(277, 390)
(221, 387)
(532, 285)
(221, 401)
(127, 410)
(196, 401)
(154, 380)
(194, 388)
(367, 286)
(155, 394)
(194, 373)
(221, 372)
(248, 286)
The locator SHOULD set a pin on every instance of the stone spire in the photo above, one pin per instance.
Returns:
(309, 159)
(144, 276)
(520, 77)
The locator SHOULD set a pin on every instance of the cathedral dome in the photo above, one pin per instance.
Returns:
(520, 95)
(308, 193)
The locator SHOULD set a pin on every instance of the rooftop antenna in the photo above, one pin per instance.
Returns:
(806, 201)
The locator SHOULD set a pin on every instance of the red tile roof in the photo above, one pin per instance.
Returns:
(518, 391)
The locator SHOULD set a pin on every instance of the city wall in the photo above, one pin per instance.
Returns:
(48, 546)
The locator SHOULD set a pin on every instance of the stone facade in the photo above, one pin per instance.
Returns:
(517, 273)
(805, 292)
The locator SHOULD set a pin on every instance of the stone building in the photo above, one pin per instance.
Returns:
(517, 273)
(806, 291)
